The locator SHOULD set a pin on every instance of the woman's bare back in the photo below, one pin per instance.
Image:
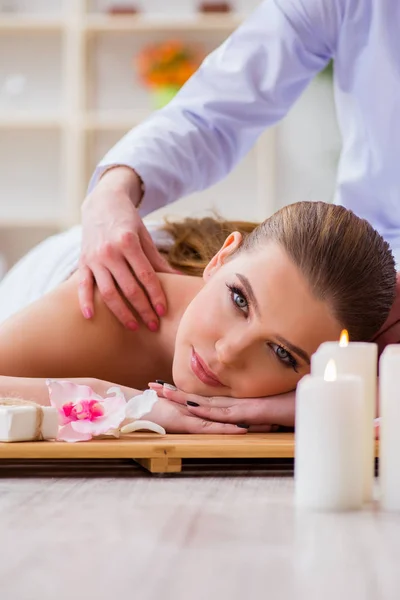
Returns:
(51, 339)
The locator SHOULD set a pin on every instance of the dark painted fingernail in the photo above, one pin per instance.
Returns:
(242, 426)
(190, 403)
(160, 381)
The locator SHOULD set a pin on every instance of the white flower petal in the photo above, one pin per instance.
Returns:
(116, 391)
(141, 405)
(111, 420)
(143, 425)
(68, 434)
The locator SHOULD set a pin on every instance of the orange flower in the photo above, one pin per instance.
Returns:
(169, 63)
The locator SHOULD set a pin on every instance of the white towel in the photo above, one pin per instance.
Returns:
(49, 264)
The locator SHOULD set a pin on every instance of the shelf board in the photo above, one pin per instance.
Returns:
(108, 23)
(92, 120)
(29, 120)
(28, 22)
(29, 223)
(114, 120)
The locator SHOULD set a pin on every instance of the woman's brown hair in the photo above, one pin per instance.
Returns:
(195, 241)
(345, 261)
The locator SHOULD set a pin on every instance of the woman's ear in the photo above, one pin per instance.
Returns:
(231, 244)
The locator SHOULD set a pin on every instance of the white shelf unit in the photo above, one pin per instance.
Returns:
(68, 92)
(143, 24)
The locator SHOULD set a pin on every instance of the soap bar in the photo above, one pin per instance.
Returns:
(18, 423)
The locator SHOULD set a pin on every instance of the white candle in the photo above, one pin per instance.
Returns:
(389, 431)
(356, 358)
(329, 442)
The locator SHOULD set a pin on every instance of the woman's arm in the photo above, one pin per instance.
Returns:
(35, 389)
(171, 416)
(50, 338)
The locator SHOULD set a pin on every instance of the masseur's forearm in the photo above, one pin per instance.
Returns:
(245, 86)
(35, 389)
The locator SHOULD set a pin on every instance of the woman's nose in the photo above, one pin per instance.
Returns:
(230, 351)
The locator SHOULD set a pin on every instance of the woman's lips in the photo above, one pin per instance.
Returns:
(202, 372)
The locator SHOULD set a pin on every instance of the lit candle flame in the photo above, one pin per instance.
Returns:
(330, 371)
(344, 338)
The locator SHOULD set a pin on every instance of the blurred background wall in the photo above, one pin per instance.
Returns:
(71, 86)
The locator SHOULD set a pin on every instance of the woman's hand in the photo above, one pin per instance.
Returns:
(259, 414)
(118, 254)
(176, 418)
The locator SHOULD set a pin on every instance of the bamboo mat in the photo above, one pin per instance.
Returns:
(159, 454)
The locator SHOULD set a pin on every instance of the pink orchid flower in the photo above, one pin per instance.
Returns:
(83, 413)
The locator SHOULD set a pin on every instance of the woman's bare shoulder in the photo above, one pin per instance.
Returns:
(51, 338)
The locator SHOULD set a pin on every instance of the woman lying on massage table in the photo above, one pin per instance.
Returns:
(245, 329)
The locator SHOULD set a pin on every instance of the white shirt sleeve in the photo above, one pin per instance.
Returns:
(246, 85)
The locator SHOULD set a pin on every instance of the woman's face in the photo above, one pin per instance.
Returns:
(252, 328)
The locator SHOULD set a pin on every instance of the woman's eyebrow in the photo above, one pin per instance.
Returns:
(295, 349)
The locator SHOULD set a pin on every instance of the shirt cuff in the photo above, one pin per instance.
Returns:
(102, 169)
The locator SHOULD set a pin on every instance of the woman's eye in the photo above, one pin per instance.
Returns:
(284, 356)
(282, 353)
(238, 298)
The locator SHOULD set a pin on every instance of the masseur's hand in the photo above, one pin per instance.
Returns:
(259, 414)
(115, 245)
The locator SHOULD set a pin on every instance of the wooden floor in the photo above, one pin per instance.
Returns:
(109, 530)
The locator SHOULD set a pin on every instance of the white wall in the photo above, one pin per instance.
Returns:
(308, 147)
